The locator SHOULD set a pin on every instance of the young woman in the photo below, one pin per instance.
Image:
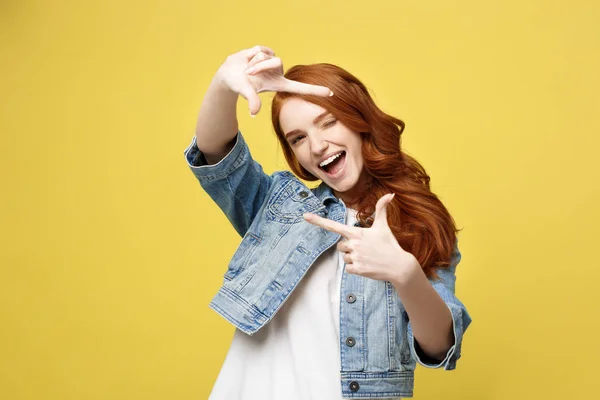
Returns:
(336, 291)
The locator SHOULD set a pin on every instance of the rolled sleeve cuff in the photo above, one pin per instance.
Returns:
(207, 172)
(459, 315)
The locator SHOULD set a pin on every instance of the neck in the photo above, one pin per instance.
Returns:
(351, 197)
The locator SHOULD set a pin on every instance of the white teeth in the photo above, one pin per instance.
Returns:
(330, 159)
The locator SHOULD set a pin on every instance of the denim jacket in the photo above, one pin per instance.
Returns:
(377, 348)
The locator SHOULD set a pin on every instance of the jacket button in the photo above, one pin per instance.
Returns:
(303, 194)
(351, 298)
(354, 386)
(350, 342)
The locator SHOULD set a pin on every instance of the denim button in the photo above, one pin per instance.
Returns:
(350, 342)
(303, 194)
(354, 386)
(351, 298)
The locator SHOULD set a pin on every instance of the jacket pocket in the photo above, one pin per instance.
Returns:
(243, 255)
(291, 201)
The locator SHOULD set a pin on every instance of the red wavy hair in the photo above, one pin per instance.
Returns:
(420, 222)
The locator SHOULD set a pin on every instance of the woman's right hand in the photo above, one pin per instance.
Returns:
(252, 71)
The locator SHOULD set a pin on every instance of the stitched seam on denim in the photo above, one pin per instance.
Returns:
(363, 327)
(253, 242)
(391, 331)
(377, 375)
(280, 196)
(235, 164)
(237, 201)
(371, 395)
(318, 252)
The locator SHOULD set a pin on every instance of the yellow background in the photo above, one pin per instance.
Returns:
(111, 251)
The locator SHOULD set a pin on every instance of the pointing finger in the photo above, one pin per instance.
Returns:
(305, 88)
(331, 226)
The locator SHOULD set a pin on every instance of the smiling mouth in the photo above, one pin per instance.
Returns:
(334, 166)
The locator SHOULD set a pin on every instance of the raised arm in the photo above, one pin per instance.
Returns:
(217, 123)
(218, 155)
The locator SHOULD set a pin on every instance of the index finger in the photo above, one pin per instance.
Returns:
(305, 88)
(331, 226)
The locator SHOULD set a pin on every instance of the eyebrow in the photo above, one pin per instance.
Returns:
(315, 121)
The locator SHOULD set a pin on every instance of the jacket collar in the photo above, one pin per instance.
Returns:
(325, 193)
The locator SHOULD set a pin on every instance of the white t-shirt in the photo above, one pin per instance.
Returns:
(296, 356)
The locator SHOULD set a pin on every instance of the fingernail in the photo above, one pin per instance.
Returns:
(330, 93)
(252, 115)
(392, 198)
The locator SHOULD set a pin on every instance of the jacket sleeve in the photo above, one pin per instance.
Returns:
(237, 183)
(461, 319)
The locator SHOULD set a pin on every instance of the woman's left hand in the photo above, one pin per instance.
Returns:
(371, 252)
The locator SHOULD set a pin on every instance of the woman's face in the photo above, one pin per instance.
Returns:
(324, 146)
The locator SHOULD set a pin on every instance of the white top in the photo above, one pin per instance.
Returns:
(296, 356)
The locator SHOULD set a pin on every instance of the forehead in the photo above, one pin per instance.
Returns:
(297, 113)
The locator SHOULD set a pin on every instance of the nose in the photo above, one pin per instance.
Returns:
(318, 145)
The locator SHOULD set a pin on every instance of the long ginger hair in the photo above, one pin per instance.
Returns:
(418, 219)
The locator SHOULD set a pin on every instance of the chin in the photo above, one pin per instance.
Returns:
(342, 187)
(344, 183)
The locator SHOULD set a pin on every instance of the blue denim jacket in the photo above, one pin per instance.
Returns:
(377, 347)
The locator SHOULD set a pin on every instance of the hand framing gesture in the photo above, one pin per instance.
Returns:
(371, 252)
(252, 71)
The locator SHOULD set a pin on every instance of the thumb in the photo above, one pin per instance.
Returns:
(250, 94)
(381, 209)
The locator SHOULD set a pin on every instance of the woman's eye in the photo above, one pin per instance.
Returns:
(296, 139)
(329, 123)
